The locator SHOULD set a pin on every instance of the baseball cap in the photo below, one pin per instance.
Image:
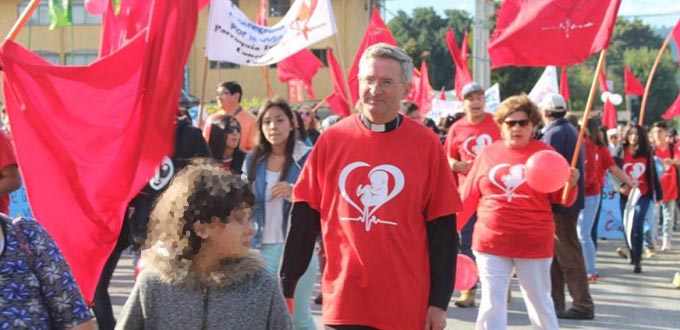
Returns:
(554, 103)
(612, 131)
(471, 88)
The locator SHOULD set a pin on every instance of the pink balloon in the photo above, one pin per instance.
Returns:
(547, 171)
(96, 7)
(466, 273)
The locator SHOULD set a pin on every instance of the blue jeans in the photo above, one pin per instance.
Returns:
(637, 237)
(302, 316)
(584, 226)
(650, 227)
(668, 212)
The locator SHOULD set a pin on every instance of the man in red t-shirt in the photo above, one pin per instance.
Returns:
(669, 179)
(466, 138)
(379, 189)
(9, 173)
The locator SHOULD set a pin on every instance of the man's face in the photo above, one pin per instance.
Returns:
(473, 105)
(659, 136)
(614, 139)
(381, 87)
(225, 99)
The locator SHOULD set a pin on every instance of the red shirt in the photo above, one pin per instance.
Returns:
(513, 220)
(669, 183)
(636, 168)
(465, 139)
(375, 192)
(6, 159)
(606, 161)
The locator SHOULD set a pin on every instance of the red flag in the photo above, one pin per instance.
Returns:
(337, 100)
(564, 84)
(302, 66)
(550, 32)
(263, 12)
(631, 84)
(462, 72)
(376, 32)
(609, 111)
(119, 29)
(673, 110)
(89, 138)
(442, 94)
(202, 4)
(464, 52)
(676, 37)
(425, 97)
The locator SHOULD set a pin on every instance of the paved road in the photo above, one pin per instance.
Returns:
(624, 300)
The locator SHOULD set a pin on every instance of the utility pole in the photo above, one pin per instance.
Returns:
(481, 65)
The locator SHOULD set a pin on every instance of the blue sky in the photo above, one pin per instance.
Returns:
(669, 8)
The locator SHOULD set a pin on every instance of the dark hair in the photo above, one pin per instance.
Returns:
(660, 124)
(233, 88)
(218, 133)
(301, 131)
(263, 147)
(517, 103)
(407, 107)
(431, 124)
(593, 132)
(201, 192)
(643, 148)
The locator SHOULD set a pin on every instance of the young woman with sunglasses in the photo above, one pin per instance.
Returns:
(515, 224)
(225, 136)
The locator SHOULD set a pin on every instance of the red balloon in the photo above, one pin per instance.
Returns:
(466, 273)
(96, 7)
(547, 171)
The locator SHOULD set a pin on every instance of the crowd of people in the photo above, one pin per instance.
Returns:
(238, 221)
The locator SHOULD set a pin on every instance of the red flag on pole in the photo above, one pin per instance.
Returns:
(609, 111)
(676, 37)
(376, 32)
(89, 138)
(337, 100)
(302, 66)
(464, 52)
(631, 84)
(462, 72)
(564, 84)
(674, 110)
(263, 12)
(425, 97)
(118, 29)
(549, 32)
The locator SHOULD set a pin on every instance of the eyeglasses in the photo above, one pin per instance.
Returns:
(232, 129)
(521, 122)
(383, 84)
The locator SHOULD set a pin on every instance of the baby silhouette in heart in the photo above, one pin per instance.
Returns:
(508, 178)
(474, 144)
(635, 170)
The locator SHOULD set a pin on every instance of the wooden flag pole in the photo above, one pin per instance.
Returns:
(201, 101)
(268, 84)
(25, 16)
(318, 105)
(586, 115)
(651, 76)
(346, 79)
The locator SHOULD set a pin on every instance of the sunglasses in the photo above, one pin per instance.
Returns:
(304, 113)
(232, 129)
(521, 122)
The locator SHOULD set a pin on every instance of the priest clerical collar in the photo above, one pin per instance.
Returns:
(382, 128)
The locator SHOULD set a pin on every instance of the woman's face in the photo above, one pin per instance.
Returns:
(517, 129)
(232, 239)
(306, 114)
(276, 126)
(633, 137)
(233, 136)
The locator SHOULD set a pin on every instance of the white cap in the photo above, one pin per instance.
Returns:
(612, 131)
(554, 103)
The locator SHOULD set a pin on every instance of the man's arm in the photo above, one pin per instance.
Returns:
(11, 180)
(305, 227)
(443, 251)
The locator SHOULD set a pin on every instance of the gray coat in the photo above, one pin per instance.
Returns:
(244, 297)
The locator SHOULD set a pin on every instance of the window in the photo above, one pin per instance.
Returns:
(80, 57)
(321, 54)
(41, 16)
(223, 65)
(82, 17)
(278, 8)
(51, 57)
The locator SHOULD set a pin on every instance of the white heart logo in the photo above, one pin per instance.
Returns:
(474, 144)
(507, 178)
(635, 170)
(373, 195)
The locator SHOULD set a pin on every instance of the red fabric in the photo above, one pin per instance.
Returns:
(591, 167)
(676, 36)
(442, 94)
(609, 111)
(636, 168)
(564, 84)
(606, 161)
(669, 183)
(464, 52)
(465, 139)
(462, 72)
(550, 32)
(203, 3)
(513, 220)
(263, 12)
(376, 32)
(631, 84)
(338, 100)
(6, 159)
(89, 138)
(425, 90)
(384, 287)
(673, 110)
(120, 29)
(302, 65)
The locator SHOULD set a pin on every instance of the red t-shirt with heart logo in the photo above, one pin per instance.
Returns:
(669, 183)
(636, 168)
(465, 140)
(513, 220)
(375, 192)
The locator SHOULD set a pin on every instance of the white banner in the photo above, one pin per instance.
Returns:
(493, 98)
(547, 83)
(232, 37)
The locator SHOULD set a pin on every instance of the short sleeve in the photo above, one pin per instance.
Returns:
(6, 152)
(443, 196)
(606, 158)
(308, 187)
(450, 147)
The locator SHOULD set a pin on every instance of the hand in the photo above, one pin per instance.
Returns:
(435, 319)
(282, 190)
(573, 177)
(462, 166)
(624, 189)
(290, 303)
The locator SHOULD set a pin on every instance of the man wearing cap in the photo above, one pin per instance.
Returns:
(568, 266)
(612, 140)
(465, 139)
